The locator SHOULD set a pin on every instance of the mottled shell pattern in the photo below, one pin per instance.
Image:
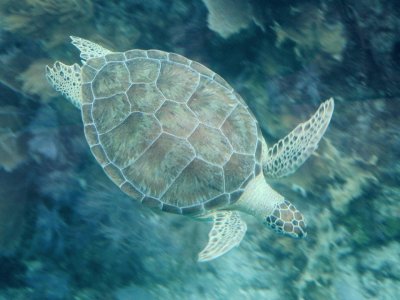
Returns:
(169, 131)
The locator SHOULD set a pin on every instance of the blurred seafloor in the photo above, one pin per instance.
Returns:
(67, 233)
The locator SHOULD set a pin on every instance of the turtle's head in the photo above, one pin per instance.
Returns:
(286, 219)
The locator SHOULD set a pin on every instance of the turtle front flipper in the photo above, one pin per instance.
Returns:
(227, 232)
(67, 80)
(291, 152)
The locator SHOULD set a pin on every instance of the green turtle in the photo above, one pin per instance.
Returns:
(174, 135)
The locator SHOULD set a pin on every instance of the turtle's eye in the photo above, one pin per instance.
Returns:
(286, 219)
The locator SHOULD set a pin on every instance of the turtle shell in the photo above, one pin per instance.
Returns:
(169, 131)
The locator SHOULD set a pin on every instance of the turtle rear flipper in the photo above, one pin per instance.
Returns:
(292, 151)
(67, 80)
(227, 232)
(88, 49)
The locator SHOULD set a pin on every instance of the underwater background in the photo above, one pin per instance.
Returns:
(66, 232)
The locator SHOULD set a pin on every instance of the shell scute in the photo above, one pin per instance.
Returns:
(177, 82)
(160, 164)
(219, 201)
(96, 63)
(171, 209)
(91, 135)
(178, 59)
(130, 190)
(109, 112)
(87, 113)
(157, 54)
(241, 130)
(135, 53)
(114, 173)
(113, 78)
(171, 111)
(193, 210)
(151, 202)
(87, 93)
(144, 97)
(197, 183)
(128, 140)
(237, 169)
(222, 82)
(210, 144)
(99, 154)
(88, 74)
(211, 102)
(143, 70)
(202, 69)
(115, 56)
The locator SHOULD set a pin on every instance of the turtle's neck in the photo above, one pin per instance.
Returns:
(258, 199)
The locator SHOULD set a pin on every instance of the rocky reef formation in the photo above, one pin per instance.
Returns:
(66, 232)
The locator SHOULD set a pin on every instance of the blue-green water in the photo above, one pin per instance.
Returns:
(67, 232)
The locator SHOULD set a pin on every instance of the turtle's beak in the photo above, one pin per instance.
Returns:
(286, 219)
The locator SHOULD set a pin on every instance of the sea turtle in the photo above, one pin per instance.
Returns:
(175, 136)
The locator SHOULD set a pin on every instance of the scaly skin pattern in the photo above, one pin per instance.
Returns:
(286, 219)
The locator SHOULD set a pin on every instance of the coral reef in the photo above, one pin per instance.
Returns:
(34, 85)
(12, 140)
(312, 33)
(14, 57)
(13, 211)
(227, 17)
(32, 17)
